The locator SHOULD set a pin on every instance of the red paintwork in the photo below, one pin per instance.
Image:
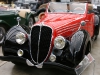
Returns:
(66, 24)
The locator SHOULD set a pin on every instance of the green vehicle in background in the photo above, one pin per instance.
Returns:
(8, 18)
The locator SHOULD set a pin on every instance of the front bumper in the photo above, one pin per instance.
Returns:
(70, 71)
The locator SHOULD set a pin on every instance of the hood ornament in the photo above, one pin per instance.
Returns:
(18, 20)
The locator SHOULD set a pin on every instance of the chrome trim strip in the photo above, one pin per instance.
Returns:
(39, 43)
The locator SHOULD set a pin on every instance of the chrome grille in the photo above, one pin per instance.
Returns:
(40, 42)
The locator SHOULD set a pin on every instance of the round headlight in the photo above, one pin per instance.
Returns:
(59, 42)
(20, 38)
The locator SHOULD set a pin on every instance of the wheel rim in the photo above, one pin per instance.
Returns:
(2, 33)
(30, 22)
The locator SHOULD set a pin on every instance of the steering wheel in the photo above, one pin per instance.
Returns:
(78, 8)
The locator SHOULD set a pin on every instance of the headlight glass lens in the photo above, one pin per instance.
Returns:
(59, 42)
(52, 58)
(20, 38)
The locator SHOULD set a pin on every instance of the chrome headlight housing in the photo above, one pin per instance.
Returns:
(59, 42)
(20, 38)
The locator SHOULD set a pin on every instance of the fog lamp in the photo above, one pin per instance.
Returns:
(20, 52)
(52, 58)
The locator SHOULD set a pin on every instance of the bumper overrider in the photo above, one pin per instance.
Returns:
(36, 50)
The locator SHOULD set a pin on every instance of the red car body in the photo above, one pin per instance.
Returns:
(62, 37)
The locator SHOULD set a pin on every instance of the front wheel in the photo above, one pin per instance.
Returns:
(88, 48)
(96, 36)
(2, 34)
(96, 23)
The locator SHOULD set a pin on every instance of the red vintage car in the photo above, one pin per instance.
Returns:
(62, 37)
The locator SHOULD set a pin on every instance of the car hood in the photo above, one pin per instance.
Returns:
(62, 24)
(57, 20)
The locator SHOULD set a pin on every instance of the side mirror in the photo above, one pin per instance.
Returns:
(83, 23)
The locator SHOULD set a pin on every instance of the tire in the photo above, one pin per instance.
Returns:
(88, 48)
(2, 34)
(31, 22)
(96, 22)
(95, 37)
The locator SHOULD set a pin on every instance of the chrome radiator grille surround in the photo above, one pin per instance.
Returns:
(40, 42)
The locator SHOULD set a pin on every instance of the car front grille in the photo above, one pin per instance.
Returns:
(40, 42)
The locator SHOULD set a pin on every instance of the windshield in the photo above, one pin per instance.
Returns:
(27, 1)
(58, 7)
(20, 0)
(96, 2)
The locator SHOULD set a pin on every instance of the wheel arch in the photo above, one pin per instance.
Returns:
(79, 42)
(5, 25)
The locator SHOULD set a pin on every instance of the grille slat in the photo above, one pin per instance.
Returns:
(34, 41)
(44, 43)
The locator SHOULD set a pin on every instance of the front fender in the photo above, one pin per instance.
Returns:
(11, 34)
(10, 46)
(78, 45)
(4, 22)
